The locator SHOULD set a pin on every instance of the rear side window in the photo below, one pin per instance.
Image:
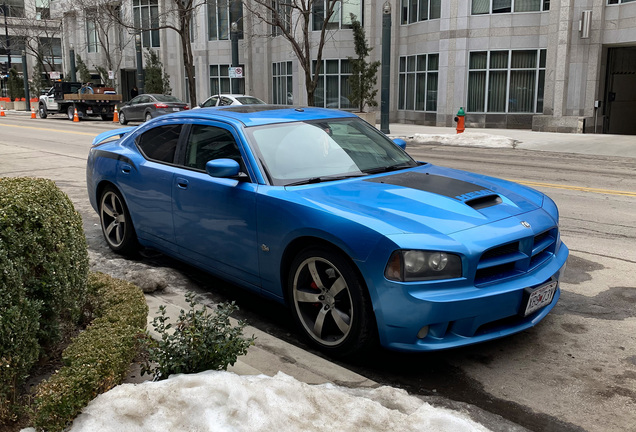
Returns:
(160, 143)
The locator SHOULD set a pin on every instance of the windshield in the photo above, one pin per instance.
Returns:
(293, 153)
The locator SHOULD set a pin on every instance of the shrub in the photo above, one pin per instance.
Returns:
(43, 237)
(199, 341)
(43, 268)
(98, 358)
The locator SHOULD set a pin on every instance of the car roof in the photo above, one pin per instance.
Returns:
(258, 115)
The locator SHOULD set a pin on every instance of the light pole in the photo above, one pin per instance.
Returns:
(140, 66)
(25, 75)
(234, 37)
(386, 68)
(71, 53)
(6, 35)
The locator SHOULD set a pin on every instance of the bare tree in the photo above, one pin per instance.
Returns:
(40, 35)
(293, 19)
(175, 15)
(107, 30)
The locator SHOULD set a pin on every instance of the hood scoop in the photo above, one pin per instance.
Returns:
(471, 194)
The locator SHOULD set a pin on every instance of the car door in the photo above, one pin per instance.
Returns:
(148, 185)
(215, 218)
(137, 106)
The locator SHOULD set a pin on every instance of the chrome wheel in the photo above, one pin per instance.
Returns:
(148, 117)
(122, 118)
(330, 302)
(116, 224)
(323, 301)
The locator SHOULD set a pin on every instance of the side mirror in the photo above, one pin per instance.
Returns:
(400, 143)
(223, 168)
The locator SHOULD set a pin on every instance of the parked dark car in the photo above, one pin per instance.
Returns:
(148, 106)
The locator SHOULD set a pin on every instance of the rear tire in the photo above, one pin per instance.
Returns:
(70, 112)
(107, 117)
(116, 223)
(148, 117)
(330, 302)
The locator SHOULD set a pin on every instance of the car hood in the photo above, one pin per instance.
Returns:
(427, 199)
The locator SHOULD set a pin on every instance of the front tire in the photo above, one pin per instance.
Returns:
(330, 302)
(116, 223)
(42, 111)
(122, 119)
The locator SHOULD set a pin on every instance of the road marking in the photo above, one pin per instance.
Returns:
(51, 130)
(576, 188)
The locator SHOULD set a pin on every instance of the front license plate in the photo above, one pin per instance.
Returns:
(540, 297)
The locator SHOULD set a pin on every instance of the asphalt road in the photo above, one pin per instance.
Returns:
(575, 371)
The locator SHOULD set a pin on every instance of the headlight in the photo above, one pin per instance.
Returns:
(417, 265)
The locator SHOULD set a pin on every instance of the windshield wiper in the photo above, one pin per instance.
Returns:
(324, 179)
(387, 168)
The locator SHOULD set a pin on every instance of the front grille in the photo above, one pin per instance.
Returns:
(516, 258)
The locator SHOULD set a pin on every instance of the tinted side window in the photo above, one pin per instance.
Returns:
(160, 143)
(208, 142)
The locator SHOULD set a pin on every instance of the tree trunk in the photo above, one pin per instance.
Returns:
(188, 59)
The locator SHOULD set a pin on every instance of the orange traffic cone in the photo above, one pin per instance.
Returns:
(2, 114)
(75, 117)
(33, 113)
(116, 115)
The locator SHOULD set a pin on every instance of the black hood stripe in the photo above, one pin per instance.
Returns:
(446, 186)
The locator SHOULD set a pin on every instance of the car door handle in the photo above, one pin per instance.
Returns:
(182, 183)
(126, 169)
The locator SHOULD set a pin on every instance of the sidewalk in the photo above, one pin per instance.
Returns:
(591, 144)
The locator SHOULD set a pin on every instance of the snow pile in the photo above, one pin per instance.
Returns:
(224, 401)
(467, 139)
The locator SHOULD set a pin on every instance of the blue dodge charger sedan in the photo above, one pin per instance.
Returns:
(318, 209)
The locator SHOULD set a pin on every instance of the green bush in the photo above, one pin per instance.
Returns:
(98, 358)
(43, 268)
(199, 341)
(43, 238)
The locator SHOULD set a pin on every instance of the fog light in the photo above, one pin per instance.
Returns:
(423, 332)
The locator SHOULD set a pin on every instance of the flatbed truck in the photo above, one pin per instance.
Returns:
(66, 97)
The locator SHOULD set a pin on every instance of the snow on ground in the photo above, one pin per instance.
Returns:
(468, 139)
(224, 401)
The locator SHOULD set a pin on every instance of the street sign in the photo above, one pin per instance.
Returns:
(54, 75)
(236, 72)
(111, 75)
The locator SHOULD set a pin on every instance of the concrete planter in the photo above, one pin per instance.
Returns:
(368, 117)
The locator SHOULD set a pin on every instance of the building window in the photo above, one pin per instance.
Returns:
(92, 41)
(51, 51)
(506, 6)
(420, 10)
(221, 15)
(281, 12)
(42, 9)
(282, 90)
(341, 17)
(333, 85)
(619, 1)
(146, 15)
(506, 81)
(417, 88)
(220, 81)
(13, 8)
